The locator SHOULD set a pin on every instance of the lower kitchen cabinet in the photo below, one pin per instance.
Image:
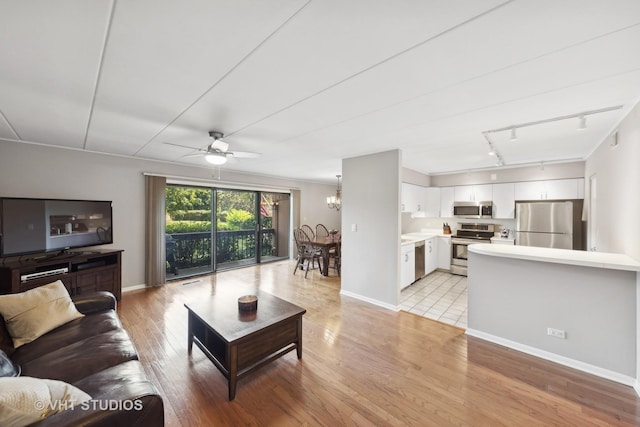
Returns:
(444, 252)
(431, 255)
(408, 265)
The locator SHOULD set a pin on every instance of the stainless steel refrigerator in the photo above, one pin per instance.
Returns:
(550, 224)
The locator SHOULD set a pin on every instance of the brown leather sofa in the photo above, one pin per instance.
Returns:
(96, 355)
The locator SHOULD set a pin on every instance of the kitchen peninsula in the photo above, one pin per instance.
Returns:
(575, 308)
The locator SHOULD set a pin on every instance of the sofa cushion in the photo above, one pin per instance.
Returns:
(30, 314)
(82, 358)
(26, 400)
(69, 333)
(124, 385)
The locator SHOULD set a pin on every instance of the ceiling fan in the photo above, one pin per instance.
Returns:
(217, 152)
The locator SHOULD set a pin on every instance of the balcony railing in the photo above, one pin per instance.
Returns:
(193, 250)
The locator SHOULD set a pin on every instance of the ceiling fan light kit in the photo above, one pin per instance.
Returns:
(216, 152)
(216, 158)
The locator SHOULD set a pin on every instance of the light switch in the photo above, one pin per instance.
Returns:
(354, 227)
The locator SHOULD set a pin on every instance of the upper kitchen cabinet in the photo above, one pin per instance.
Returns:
(446, 202)
(432, 202)
(413, 198)
(557, 189)
(420, 201)
(504, 206)
(473, 193)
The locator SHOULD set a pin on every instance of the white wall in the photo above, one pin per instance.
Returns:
(371, 255)
(618, 200)
(517, 300)
(28, 170)
(515, 174)
(618, 184)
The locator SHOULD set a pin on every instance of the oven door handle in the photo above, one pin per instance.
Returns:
(467, 241)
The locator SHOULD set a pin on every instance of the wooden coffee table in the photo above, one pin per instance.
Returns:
(239, 343)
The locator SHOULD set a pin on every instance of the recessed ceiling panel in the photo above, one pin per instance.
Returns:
(327, 42)
(50, 60)
(162, 56)
(467, 70)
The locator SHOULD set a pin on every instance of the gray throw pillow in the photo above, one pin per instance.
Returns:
(7, 367)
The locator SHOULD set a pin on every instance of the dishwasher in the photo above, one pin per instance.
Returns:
(419, 259)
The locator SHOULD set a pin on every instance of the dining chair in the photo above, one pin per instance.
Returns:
(306, 252)
(335, 255)
(308, 231)
(321, 231)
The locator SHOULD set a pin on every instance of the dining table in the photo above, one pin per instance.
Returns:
(324, 244)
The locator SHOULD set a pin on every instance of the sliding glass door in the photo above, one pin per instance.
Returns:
(236, 228)
(188, 231)
(275, 229)
(211, 229)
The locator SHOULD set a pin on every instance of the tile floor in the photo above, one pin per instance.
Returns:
(439, 296)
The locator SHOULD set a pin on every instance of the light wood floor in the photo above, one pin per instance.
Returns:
(361, 365)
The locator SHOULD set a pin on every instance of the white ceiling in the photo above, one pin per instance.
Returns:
(307, 83)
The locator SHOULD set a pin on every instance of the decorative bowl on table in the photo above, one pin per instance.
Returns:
(248, 303)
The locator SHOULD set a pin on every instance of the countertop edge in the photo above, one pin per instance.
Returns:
(559, 256)
(416, 236)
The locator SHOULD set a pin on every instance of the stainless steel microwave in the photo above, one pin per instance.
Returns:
(473, 209)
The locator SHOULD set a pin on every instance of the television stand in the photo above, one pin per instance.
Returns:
(81, 272)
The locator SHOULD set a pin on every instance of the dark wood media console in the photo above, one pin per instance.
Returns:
(86, 272)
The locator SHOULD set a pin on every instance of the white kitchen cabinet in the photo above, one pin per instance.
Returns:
(580, 188)
(444, 252)
(408, 265)
(504, 206)
(413, 198)
(562, 189)
(473, 193)
(446, 202)
(430, 255)
(432, 202)
(408, 197)
(556, 189)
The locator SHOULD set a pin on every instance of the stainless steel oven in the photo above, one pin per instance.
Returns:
(466, 235)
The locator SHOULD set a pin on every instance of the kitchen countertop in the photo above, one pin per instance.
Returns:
(559, 256)
(503, 239)
(417, 236)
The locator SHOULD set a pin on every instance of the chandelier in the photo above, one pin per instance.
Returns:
(334, 202)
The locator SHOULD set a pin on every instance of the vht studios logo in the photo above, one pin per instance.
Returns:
(102, 405)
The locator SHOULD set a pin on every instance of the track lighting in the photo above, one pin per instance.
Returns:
(492, 150)
(581, 116)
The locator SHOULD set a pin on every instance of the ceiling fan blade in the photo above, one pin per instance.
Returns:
(244, 154)
(220, 145)
(194, 155)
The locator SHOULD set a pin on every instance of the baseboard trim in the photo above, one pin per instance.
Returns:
(370, 300)
(134, 288)
(636, 387)
(566, 361)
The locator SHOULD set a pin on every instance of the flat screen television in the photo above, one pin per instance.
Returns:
(29, 226)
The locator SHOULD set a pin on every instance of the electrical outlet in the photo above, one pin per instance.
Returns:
(558, 333)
